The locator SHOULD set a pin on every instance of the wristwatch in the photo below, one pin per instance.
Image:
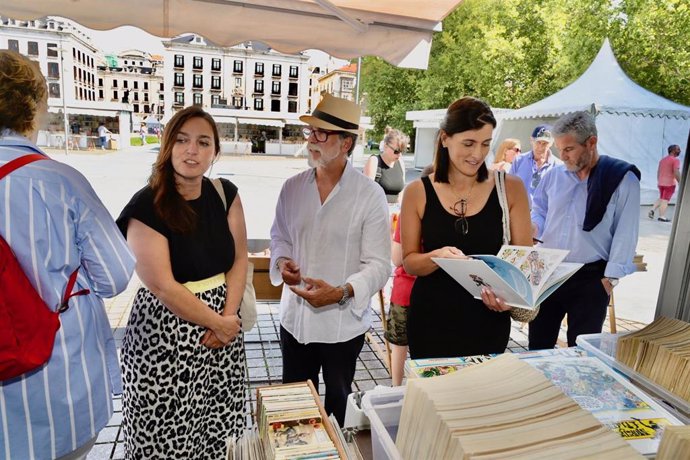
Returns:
(346, 295)
(613, 281)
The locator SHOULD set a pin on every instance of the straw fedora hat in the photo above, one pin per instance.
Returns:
(335, 114)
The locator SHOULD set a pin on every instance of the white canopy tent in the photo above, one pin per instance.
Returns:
(634, 124)
(398, 31)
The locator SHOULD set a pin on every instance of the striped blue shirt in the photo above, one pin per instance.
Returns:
(53, 220)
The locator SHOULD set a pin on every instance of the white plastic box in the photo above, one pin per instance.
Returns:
(603, 346)
(383, 407)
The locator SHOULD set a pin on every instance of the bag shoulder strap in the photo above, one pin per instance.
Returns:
(17, 163)
(500, 177)
(217, 184)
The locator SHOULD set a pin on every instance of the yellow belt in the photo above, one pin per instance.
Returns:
(204, 285)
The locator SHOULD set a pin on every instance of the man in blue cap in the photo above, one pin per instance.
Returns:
(531, 166)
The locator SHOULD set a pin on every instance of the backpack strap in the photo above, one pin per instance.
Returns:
(19, 162)
(217, 184)
(500, 177)
(13, 165)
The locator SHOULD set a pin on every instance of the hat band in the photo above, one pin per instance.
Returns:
(334, 120)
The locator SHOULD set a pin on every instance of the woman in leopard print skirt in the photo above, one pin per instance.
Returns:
(183, 354)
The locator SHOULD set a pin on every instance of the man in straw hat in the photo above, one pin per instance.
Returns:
(330, 246)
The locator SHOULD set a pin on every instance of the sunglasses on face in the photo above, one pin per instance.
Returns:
(517, 149)
(396, 151)
(319, 135)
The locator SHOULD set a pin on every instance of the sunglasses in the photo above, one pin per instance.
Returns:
(461, 225)
(535, 179)
(517, 149)
(396, 151)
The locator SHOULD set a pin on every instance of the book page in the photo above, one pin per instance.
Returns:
(535, 263)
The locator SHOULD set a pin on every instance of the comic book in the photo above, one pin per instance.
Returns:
(522, 276)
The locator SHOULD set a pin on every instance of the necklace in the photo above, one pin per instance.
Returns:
(459, 208)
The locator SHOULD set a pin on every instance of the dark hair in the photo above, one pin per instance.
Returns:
(465, 114)
(22, 91)
(170, 206)
(674, 147)
(346, 135)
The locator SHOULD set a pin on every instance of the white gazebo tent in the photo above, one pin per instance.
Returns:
(634, 124)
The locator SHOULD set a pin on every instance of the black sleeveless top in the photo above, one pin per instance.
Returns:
(209, 249)
(444, 319)
(390, 179)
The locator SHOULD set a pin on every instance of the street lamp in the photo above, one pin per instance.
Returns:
(64, 95)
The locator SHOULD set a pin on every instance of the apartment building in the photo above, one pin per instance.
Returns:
(68, 60)
(339, 82)
(252, 91)
(133, 77)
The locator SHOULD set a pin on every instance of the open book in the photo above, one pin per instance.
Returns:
(520, 275)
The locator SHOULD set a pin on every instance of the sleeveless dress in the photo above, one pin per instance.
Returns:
(390, 179)
(444, 320)
(180, 399)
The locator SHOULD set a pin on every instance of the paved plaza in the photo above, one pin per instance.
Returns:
(116, 176)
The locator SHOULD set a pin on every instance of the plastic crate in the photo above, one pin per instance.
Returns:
(603, 346)
(383, 408)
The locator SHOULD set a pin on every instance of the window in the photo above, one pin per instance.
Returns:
(136, 85)
(179, 79)
(136, 98)
(215, 99)
(259, 68)
(146, 109)
(215, 82)
(198, 81)
(294, 71)
(276, 70)
(52, 50)
(146, 85)
(54, 90)
(276, 88)
(275, 105)
(237, 102)
(198, 98)
(259, 86)
(179, 60)
(100, 94)
(100, 82)
(32, 49)
(292, 89)
(115, 95)
(53, 70)
(258, 104)
(135, 108)
(237, 67)
(348, 83)
(13, 45)
(198, 63)
(179, 98)
(146, 97)
(215, 64)
(125, 84)
(161, 87)
(238, 82)
(292, 106)
(114, 83)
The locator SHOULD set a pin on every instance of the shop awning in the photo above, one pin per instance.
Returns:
(398, 31)
(262, 122)
(86, 111)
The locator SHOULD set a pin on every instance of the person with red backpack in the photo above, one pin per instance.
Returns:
(59, 246)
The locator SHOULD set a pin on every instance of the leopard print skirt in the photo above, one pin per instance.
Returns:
(181, 400)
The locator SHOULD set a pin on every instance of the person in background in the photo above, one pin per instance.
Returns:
(589, 205)
(454, 213)
(388, 168)
(531, 166)
(103, 133)
(183, 352)
(330, 246)
(505, 154)
(668, 175)
(56, 224)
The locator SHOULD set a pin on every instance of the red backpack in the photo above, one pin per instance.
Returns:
(27, 325)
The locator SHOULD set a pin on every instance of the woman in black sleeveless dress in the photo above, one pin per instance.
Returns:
(455, 213)
(387, 168)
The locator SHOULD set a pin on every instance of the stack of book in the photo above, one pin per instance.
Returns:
(675, 444)
(291, 424)
(498, 409)
(660, 352)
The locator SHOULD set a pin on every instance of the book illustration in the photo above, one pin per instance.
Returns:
(522, 276)
(434, 371)
(591, 388)
(433, 367)
(297, 432)
(635, 428)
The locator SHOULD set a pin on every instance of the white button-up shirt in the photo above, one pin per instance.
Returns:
(344, 240)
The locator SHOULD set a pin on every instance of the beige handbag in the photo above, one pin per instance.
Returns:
(518, 314)
(248, 303)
